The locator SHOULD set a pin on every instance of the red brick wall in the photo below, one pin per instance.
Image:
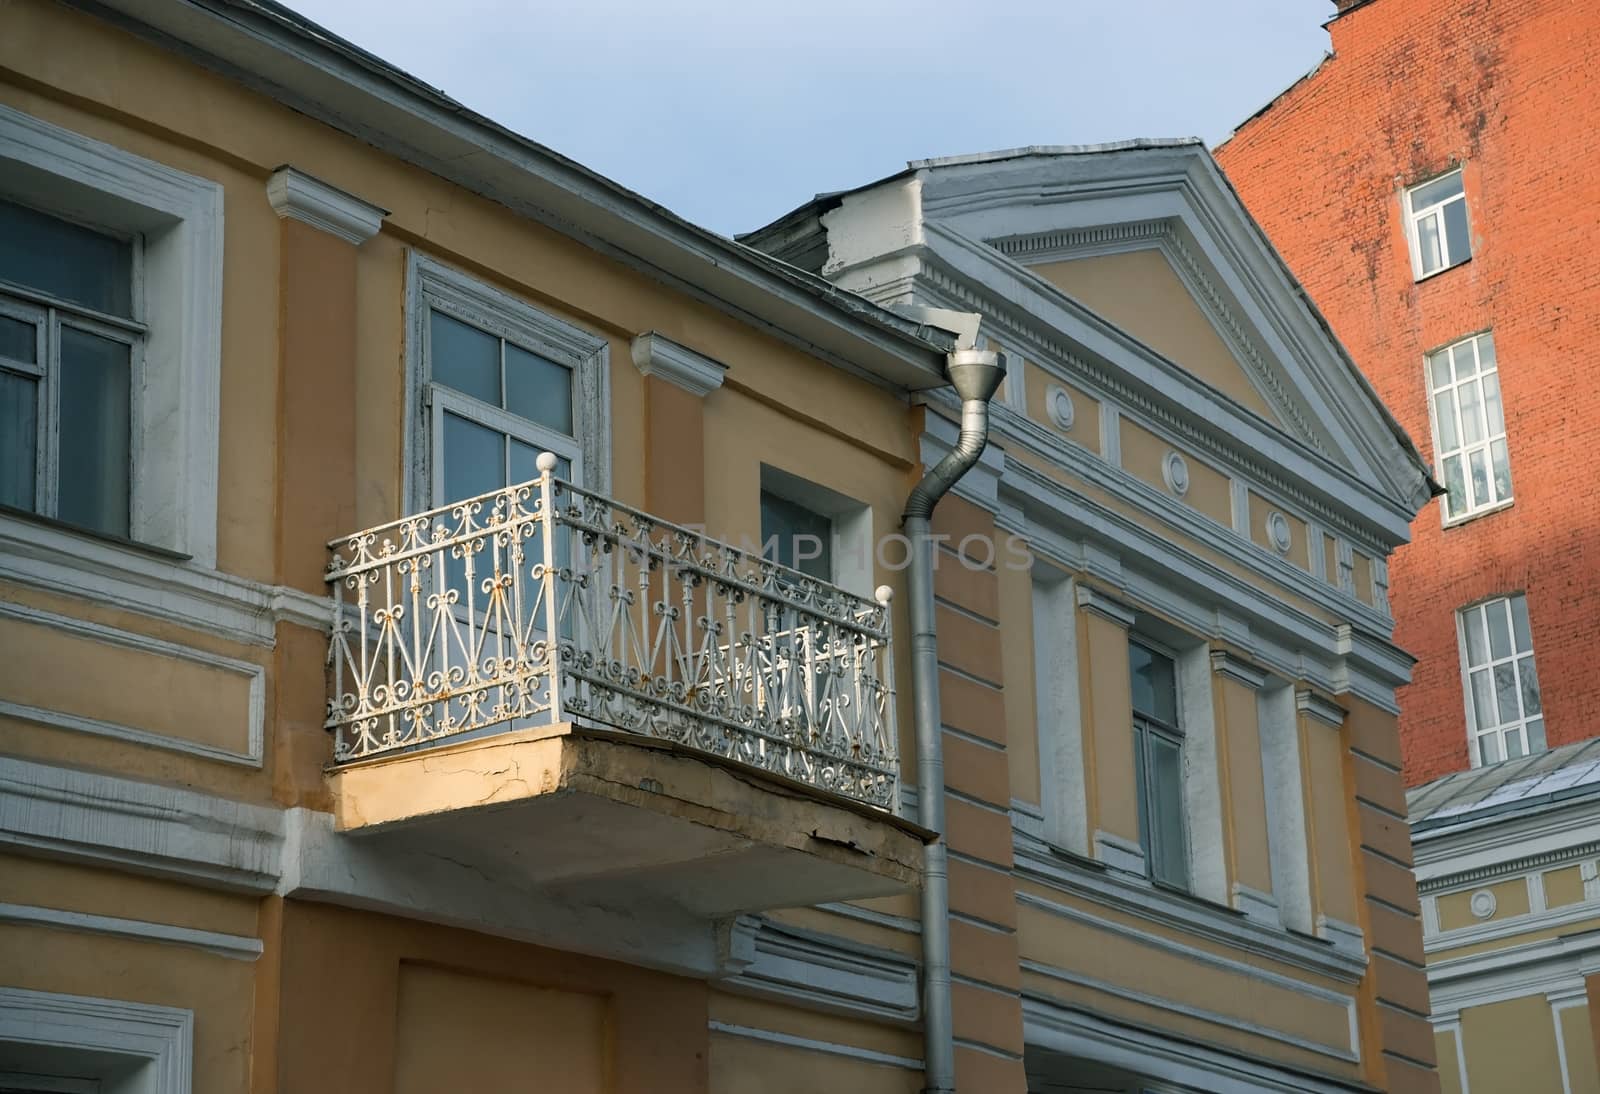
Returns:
(1512, 89)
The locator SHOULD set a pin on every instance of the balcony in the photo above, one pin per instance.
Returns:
(559, 686)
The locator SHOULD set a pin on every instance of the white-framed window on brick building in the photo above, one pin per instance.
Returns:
(1469, 427)
(1505, 716)
(1436, 225)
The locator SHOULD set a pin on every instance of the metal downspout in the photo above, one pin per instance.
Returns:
(976, 374)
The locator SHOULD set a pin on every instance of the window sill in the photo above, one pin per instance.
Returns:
(1420, 278)
(1476, 514)
(28, 516)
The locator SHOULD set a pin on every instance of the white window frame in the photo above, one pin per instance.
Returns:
(49, 314)
(1415, 216)
(1499, 729)
(1141, 725)
(850, 522)
(132, 1048)
(174, 437)
(1464, 450)
(432, 285)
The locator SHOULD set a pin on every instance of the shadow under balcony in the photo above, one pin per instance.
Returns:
(570, 695)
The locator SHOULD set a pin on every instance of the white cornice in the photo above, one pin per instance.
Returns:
(1322, 710)
(1230, 667)
(827, 972)
(657, 355)
(1535, 968)
(296, 195)
(1096, 602)
(140, 826)
(1479, 848)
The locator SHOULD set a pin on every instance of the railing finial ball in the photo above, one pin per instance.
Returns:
(547, 461)
(883, 594)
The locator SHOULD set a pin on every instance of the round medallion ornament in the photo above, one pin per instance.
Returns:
(1483, 904)
(1175, 472)
(1058, 404)
(1278, 533)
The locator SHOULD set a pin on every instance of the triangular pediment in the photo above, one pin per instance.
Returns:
(1140, 291)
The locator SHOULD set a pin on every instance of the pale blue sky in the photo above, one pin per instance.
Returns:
(730, 112)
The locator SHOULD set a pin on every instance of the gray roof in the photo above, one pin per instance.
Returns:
(1568, 773)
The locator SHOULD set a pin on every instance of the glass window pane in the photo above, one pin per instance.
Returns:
(1513, 743)
(1505, 690)
(66, 260)
(464, 358)
(19, 439)
(1455, 482)
(1491, 404)
(1155, 687)
(1479, 462)
(525, 466)
(1466, 360)
(1141, 787)
(1500, 465)
(796, 537)
(1171, 854)
(1530, 687)
(1439, 368)
(1489, 748)
(538, 389)
(1444, 409)
(1486, 357)
(474, 459)
(1457, 240)
(1536, 739)
(1436, 191)
(1471, 413)
(1483, 708)
(18, 340)
(1428, 243)
(92, 487)
(1519, 624)
(1477, 647)
(1499, 633)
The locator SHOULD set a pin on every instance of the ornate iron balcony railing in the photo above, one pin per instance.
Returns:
(443, 625)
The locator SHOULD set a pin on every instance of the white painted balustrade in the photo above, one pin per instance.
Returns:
(545, 603)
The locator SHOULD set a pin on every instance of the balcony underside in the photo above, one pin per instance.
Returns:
(618, 820)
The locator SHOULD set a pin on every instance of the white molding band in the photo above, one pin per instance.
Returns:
(158, 1042)
(58, 561)
(827, 972)
(1256, 905)
(654, 354)
(831, 1048)
(1118, 853)
(139, 826)
(1553, 965)
(236, 947)
(1038, 863)
(255, 712)
(296, 195)
(1077, 1033)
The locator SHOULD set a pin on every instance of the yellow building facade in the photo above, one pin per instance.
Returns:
(395, 696)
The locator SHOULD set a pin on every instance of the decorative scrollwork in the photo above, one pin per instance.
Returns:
(543, 602)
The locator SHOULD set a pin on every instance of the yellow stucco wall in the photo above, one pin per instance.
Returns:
(1141, 293)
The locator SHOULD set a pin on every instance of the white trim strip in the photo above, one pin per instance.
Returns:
(234, 946)
(255, 711)
(832, 1048)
